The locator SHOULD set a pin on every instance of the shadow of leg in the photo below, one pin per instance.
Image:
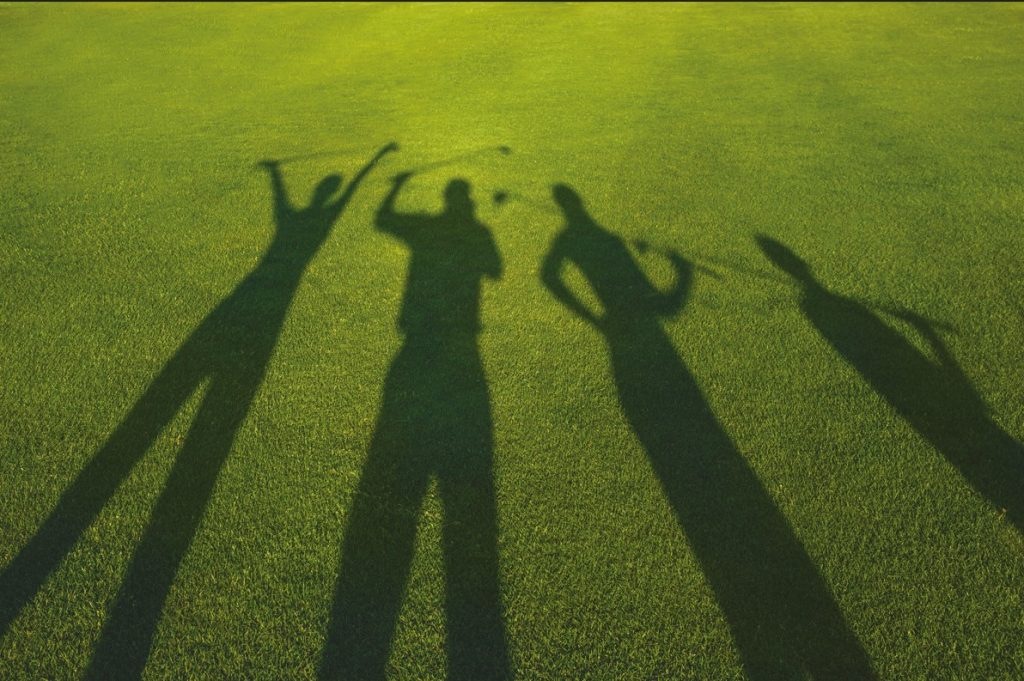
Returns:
(375, 559)
(128, 635)
(477, 646)
(988, 457)
(781, 612)
(96, 483)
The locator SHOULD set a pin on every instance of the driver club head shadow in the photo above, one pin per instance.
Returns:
(502, 197)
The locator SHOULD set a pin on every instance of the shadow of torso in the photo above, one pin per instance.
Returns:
(436, 405)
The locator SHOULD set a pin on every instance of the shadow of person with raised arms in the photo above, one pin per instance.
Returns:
(434, 420)
(229, 350)
(933, 395)
(779, 609)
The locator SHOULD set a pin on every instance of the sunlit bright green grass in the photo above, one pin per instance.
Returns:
(883, 144)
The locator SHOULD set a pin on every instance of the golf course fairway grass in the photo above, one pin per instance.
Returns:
(691, 347)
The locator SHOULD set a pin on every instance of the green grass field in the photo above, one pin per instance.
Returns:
(721, 377)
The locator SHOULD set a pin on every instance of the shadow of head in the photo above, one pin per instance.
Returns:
(324, 190)
(567, 199)
(784, 258)
(456, 198)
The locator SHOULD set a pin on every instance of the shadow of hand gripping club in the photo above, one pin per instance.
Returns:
(230, 349)
(781, 613)
(434, 420)
(934, 396)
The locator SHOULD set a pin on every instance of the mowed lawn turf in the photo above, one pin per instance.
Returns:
(744, 399)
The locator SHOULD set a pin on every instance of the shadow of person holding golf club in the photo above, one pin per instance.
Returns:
(780, 611)
(229, 352)
(434, 421)
(933, 395)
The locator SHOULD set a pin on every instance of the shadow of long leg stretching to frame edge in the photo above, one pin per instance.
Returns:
(934, 396)
(780, 611)
(435, 420)
(230, 349)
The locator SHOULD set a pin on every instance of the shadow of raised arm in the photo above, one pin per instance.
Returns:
(390, 221)
(339, 205)
(928, 331)
(668, 303)
(282, 204)
(551, 276)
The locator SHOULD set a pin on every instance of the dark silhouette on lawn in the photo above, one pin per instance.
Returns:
(933, 395)
(435, 420)
(780, 611)
(230, 350)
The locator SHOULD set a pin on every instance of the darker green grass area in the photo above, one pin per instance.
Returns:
(511, 341)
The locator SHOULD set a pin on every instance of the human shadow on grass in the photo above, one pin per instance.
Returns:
(229, 352)
(434, 422)
(782, 615)
(933, 395)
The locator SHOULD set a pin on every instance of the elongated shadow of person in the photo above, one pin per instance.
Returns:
(230, 349)
(933, 395)
(435, 420)
(780, 611)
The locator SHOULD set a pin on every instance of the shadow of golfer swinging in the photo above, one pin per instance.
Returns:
(779, 609)
(934, 396)
(229, 352)
(434, 421)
